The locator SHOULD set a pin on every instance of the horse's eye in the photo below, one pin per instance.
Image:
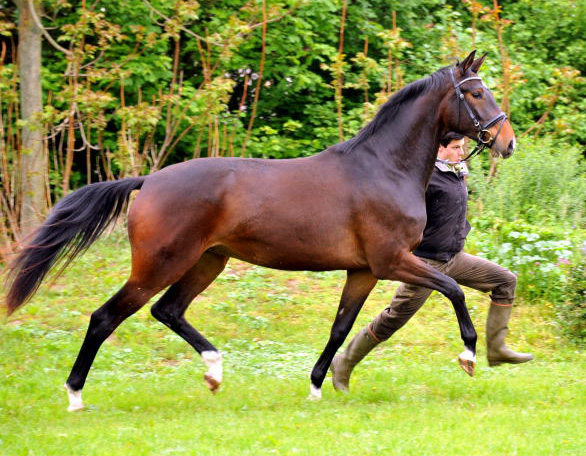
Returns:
(477, 95)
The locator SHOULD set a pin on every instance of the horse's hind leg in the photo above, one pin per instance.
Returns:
(170, 310)
(358, 286)
(103, 322)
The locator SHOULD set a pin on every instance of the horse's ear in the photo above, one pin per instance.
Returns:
(478, 63)
(467, 62)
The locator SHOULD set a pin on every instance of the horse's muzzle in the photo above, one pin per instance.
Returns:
(510, 149)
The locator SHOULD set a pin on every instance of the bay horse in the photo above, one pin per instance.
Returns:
(358, 206)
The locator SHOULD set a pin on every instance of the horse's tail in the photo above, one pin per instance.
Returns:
(72, 226)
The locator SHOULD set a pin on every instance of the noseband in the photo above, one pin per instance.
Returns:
(484, 137)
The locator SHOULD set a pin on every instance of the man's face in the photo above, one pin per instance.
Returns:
(453, 152)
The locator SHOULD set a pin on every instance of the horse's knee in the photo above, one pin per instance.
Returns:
(458, 294)
(453, 291)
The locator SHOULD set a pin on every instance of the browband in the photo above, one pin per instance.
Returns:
(471, 78)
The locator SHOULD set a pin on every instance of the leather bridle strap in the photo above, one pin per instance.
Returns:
(484, 137)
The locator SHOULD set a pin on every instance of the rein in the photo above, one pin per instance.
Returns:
(484, 137)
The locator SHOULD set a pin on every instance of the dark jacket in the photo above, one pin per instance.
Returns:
(446, 201)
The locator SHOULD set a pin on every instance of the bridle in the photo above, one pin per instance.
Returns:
(484, 137)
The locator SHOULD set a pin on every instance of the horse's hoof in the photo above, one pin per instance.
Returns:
(75, 402)
(213, 377)
(314, 393)
(468, 366)
(74, 408)
(467, 362)
(211, 382)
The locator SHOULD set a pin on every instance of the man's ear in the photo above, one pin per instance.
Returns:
(478, 63)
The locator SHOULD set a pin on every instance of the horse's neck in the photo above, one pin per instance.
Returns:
(410, 143)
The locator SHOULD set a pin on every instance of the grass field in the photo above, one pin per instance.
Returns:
(145, 393)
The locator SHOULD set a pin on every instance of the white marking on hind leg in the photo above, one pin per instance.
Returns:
(467, 355)
(75, 402)
(467, 361)
(213, 377)
(314, 393)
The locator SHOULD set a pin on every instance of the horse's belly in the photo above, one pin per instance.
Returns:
(294, 257)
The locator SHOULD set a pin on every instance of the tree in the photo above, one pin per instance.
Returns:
(32, 161)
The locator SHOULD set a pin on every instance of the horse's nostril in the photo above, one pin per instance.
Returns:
(511, 147)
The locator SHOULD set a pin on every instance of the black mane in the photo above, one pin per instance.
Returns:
(389, 110)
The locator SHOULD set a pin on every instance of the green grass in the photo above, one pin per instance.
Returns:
(145, 393)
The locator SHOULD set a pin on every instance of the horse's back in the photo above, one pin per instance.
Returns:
(238, 182)
(289, 214)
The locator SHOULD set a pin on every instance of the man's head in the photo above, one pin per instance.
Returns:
(451, 147)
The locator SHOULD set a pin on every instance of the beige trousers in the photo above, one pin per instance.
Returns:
(467, 270)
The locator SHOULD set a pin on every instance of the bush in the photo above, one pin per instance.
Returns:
(543, 183)
(531, 217)
(572, 311)
(540, 256)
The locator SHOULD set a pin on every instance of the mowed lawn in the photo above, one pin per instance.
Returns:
(145, 393)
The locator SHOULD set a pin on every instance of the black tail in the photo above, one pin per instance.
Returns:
(73, 225)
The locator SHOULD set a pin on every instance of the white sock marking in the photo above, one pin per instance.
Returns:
(213, 360)
(314, 393)
(75, 402)
(467, 355)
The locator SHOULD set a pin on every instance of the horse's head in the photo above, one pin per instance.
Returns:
(470, 109)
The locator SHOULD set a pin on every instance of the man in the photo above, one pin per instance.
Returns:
(443, 240)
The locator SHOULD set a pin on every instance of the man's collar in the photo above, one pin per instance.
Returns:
(460, 168)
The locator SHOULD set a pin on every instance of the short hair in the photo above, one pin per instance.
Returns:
(449, 137)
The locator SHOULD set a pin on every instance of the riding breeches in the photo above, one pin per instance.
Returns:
(467, 270)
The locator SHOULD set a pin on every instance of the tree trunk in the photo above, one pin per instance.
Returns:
(32, 185)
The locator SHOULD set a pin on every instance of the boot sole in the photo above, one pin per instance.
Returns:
(498, 363)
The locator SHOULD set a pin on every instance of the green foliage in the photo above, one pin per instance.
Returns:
(531, 218)
(538, 255)
(123, 57)
(571, 310)
(152, 83)
(141, 118)
(544, 183)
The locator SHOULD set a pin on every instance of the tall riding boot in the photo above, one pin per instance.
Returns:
(343, 363)
(497, 351)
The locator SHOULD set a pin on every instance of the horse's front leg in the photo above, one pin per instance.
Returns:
(412, 270)
(359, 284)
